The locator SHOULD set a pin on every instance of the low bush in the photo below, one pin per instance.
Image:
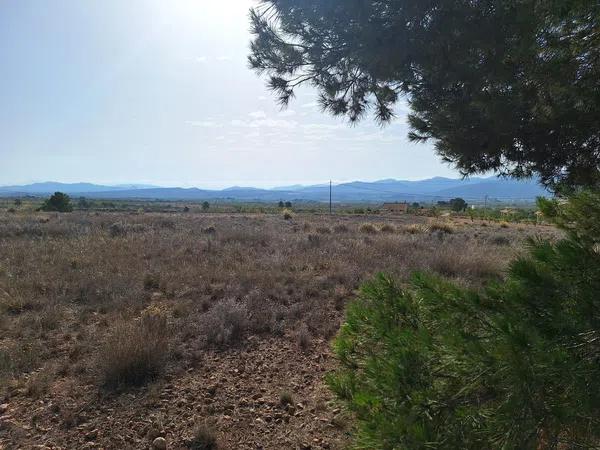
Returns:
(368, 228)
(204, 438)
(387, 228)
(442, 227)
(515, 366)
(303, 337)
(226, 323)
(135, 352)
(340, 228)
(415, 228)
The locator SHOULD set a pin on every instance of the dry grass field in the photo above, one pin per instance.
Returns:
(116, 329)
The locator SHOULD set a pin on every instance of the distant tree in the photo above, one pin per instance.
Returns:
(458, 204)
(82, 203)
(502, 85)
(288, 204)
(205, 206)
(58, 202)
(281, 204)
(18, 202)
(186, 209)
(415, 205)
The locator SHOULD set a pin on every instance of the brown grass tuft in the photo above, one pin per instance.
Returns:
(368, 228)
(387, 228)
(443, 227)
(135, 352)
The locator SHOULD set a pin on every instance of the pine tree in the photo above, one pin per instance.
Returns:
(502, 85)
(435, 365)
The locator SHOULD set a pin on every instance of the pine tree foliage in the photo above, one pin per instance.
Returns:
(435, 365)
(58, 201)
(503, 85)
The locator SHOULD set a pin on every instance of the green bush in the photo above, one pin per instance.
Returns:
(435, 365)
(58, 202)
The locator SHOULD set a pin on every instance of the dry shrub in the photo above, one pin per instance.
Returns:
(415, 228)
(368, 228)
(314, 240)
(443, 227)
(504, 224)
(117, 229)
(16, 304)
(387, 228)
(38, 384)
(500, 240)
(264, 315)
(323, 230)
(340, 228)
(287, 214)
(151, 281)
(286, 398)
(303, 337)
(473, 263)
(135, 352)
(19, 357)
(226, 323)
(49, 318)
(204, 438)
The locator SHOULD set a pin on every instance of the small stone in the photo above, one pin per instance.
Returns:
(3, 408)
(159, 443)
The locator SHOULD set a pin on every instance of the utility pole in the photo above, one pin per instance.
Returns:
(485, 207)
(330, 209)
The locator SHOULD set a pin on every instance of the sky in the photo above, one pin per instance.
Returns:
(159, 92)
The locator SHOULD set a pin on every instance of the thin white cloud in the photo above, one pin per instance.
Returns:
(223, 58)
(287, 113)
(267, 123)
(258, 115)
(203, 123)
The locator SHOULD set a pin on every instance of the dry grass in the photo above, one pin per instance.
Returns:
(204, 438)
(121, 299)
(368, 228)
(387, 228)
(135, 352)
(443, 227)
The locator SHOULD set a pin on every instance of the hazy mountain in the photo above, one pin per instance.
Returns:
(50, 187)
(433, 189)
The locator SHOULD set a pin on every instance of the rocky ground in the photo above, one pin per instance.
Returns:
(236, 393)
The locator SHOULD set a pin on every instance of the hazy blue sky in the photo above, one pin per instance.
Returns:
(158, 91)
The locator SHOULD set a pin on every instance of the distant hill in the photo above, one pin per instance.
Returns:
(433, 189)
(50, 187)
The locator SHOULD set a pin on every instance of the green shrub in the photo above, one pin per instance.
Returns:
(515, 366)
(58, 202)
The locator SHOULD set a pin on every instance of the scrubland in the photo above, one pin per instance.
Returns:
(204, 329)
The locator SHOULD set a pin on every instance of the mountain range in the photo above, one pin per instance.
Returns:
(433, 189)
